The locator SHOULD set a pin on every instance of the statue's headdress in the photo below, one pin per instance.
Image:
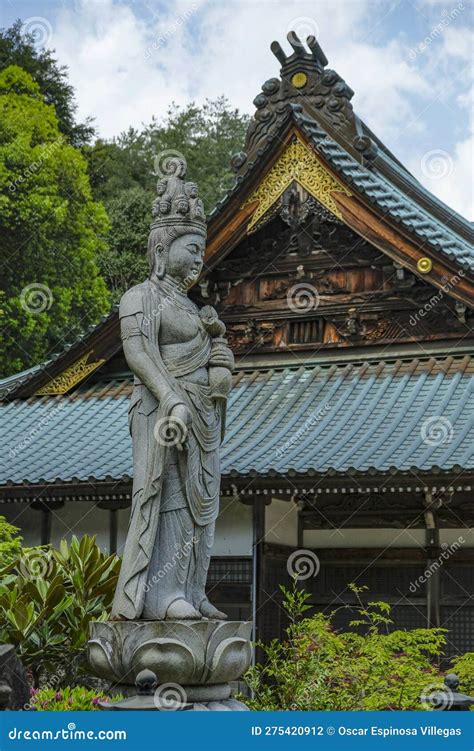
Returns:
(177, 203)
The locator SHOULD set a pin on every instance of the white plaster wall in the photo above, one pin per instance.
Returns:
(234, 529)
(80, 518)
(26, 518)
(234, 533)
(463, 537)
(123, 518)
(281, 523)
(364, 538)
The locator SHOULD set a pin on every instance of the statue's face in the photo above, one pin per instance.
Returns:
(185, 258)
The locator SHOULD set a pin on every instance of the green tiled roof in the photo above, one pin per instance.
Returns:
(398, 415)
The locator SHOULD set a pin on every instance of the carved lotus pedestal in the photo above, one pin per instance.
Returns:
(194, 661)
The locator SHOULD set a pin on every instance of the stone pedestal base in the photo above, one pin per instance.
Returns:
(193, 661)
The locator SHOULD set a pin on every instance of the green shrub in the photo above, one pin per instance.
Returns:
(463, 666)
(10, 542)
(67, 699)
(48, 597)
(318, 668)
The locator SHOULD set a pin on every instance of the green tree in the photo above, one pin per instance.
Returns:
(206, 135)
(18, 48)
(10, 542)
(124, 262)
(124, 173)
(51, 229)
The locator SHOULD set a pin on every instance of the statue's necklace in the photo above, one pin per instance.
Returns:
(180, 299)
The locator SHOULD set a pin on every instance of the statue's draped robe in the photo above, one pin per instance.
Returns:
(175, 493)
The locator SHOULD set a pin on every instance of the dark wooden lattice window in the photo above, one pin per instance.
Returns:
(391, 582)
(230, 569)
(305, 332)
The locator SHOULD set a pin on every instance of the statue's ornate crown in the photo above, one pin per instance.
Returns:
(177, 201)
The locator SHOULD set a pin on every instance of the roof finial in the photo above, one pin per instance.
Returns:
(315, 48)
(278, 52)
(315, 59)
(296, 43)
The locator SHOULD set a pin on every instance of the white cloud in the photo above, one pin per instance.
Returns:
(126, 69)
(452, 182)
(387, 88)
(127, 63)
(456, 189)
(454, 185)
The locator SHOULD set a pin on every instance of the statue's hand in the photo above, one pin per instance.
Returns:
(180, 422)
(222, 357)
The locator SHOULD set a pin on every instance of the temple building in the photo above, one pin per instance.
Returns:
(346, 288)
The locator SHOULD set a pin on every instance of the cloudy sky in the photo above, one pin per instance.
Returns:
(408, 61)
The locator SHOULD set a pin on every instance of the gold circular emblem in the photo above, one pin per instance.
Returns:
(299, 80)
(424, 265)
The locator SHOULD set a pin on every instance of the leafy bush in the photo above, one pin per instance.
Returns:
(318, 668)
(48, 597)
(67, 699)
(463, 666)
(10, 542)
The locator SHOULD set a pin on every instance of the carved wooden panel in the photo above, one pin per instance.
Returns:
(305, 279)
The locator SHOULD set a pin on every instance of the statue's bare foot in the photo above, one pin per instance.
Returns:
(209, 611)
(182, 610)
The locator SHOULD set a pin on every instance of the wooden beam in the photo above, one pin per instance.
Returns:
(257, 567)
(379, 233)
(113, 530)
(433, 552)
(46, 519)
(230, 235)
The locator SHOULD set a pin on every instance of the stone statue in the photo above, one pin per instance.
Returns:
(182, 374)
(162, 622)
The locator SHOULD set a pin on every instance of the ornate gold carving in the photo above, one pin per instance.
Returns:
(71, 376)
(300, 163)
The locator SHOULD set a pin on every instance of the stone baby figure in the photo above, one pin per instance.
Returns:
(182, 366)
